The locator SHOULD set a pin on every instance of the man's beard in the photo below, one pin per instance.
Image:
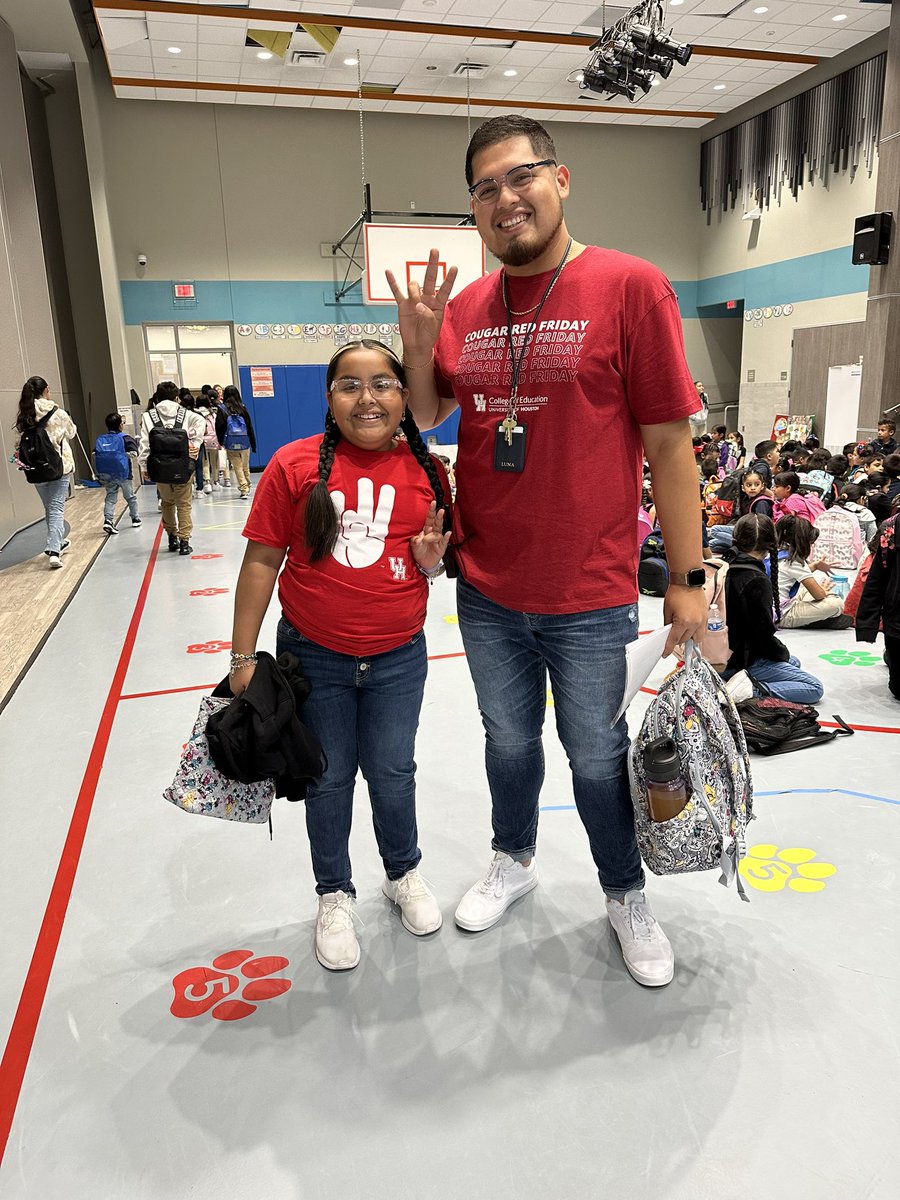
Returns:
(520, 251)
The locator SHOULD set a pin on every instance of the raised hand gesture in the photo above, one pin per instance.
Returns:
(362, 530)
(421, 312)
(428, 546)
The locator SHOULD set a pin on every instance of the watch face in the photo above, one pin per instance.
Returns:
(696, 577)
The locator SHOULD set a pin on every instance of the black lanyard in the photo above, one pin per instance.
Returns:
(518, 363)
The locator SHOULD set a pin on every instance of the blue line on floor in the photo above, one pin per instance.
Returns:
(780, 792)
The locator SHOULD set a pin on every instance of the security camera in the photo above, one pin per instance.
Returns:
(142, 260)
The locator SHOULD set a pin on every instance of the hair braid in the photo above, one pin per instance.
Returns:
(320, 519)
(773, 576)
(426, 461)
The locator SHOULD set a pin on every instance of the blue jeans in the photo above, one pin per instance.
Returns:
(112, 490)
(786, 681)
(198, 469)
(720, 537)
(365, 712)
(510, 655)
(53, 497)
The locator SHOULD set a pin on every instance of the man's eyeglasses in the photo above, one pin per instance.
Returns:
(486, 191)
(383, 386)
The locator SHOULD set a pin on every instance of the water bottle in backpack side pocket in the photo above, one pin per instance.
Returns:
(667, 793)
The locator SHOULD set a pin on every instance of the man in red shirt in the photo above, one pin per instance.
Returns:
(564, 364)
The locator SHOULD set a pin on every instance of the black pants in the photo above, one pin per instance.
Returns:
(892, 658)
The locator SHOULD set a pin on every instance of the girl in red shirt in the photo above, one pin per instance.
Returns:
(358, 519)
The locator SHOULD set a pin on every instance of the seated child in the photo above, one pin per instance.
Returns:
(879, 605)
(805, 601)
(786, 489)
(850, 498)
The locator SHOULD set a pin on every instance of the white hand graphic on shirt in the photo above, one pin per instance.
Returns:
(362, 530)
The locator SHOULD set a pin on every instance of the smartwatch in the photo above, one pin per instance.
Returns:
(695, 578)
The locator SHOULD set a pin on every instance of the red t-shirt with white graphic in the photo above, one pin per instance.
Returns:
(367, 596)
(608, 356)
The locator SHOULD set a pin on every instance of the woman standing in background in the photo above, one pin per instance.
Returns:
(37, 409)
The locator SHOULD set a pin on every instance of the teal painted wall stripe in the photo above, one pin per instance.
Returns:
(251, 302)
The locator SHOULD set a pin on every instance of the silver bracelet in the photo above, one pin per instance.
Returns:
(432, 572)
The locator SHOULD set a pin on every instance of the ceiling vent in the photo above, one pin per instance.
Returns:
(470, 68)
(308, 57)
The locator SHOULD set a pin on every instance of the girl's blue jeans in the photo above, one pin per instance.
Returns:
(786, 681)
(365, 712)
(53, 497)
(510, 656)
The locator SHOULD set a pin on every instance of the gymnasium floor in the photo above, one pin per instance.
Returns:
(522, 1061)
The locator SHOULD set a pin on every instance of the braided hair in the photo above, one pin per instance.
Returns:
(757, 533)
(320, 518)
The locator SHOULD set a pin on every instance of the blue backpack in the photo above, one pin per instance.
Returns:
(110, 459)
(236, 433)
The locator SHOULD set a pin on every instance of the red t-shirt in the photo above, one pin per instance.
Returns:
(608, 356)
(367, 596)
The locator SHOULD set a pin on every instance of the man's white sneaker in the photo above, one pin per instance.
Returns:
(336, 944)
(419, 910)
(486, 901)
(647, 951)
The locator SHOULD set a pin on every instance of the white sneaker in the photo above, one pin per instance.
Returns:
(108, 527)
(647, 951)
(740, 687)
(486, 901)
(419, 910)
(56, 562)
(336, 946)
(207, 488)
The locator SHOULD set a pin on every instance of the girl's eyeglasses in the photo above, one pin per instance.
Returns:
(384, 385)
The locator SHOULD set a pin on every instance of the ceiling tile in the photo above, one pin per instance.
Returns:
(221, 32)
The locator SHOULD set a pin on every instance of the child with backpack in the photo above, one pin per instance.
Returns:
(750, 598)
(805, 601)
(359, 516)
(788, 499)
(850, 499)
(171, 437)
(207, 409)
(234, 429)
(879, 605)
(112, 465)
(42, 451)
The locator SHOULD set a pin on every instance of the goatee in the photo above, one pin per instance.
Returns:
(520, 251)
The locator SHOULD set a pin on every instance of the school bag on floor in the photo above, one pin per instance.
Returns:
(37, 455)
(710, 831)
(236, 436)
(653, 569)
(773, 726)
(169, 460)
(840, 541)
(110, 459)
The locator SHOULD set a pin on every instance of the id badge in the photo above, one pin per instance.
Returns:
(510, 456)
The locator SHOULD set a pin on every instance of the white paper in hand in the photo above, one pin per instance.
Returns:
(641, 656)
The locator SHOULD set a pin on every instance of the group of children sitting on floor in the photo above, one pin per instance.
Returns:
(765, 520)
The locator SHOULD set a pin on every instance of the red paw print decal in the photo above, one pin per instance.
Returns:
(208, 592)
(202, 556)
(201, 989)
(208, 647)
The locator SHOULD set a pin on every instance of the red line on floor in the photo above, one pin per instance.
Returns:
(24, 1027)
(824, 724)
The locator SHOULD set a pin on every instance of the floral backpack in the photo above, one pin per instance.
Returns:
(694, 709)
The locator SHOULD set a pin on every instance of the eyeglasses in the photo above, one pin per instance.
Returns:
(383, 386)
(520, 178)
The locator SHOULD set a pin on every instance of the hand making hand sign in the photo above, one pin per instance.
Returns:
(421, 312)
(429, 546)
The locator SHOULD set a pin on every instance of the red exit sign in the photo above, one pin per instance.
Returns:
(184, 291)
(731, 303)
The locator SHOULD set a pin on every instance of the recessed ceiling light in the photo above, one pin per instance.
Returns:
(656, 82)
(431, 68)
(719, 87)
(759, 11)
(840, 17)
(265, 55)
(675, 3)
(350, 62)
(174, 49)
(509, 74)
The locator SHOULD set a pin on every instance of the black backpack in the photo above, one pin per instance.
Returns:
(169, 460)
(773, 726)
(40, 458)
(653, 569)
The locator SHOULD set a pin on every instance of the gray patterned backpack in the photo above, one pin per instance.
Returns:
(693, 708)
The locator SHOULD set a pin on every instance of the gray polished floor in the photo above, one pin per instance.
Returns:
(522, 1061)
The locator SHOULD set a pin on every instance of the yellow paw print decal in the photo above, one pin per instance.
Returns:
(452, 619)
(769, 869)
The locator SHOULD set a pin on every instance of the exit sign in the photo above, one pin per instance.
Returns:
(731, 304)
(184, 294)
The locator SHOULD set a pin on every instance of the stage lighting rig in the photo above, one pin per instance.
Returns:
(626, 56)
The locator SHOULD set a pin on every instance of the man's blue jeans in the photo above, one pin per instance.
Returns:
(112, 490)
(365, 712)
(53, 497)
(510, 656)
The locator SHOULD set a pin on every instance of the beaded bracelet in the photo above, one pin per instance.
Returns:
(432, 572)
(419, 366)
(238, 661)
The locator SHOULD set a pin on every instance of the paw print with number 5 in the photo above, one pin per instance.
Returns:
(769, 869)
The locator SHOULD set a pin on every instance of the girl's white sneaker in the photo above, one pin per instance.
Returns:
(336, 946)
(419, 910)
(486, 901)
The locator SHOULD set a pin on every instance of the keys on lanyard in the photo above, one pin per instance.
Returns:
(508, 425)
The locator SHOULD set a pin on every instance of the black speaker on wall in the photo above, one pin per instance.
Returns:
(872, 239)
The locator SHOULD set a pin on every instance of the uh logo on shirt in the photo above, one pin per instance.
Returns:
(363, 530)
